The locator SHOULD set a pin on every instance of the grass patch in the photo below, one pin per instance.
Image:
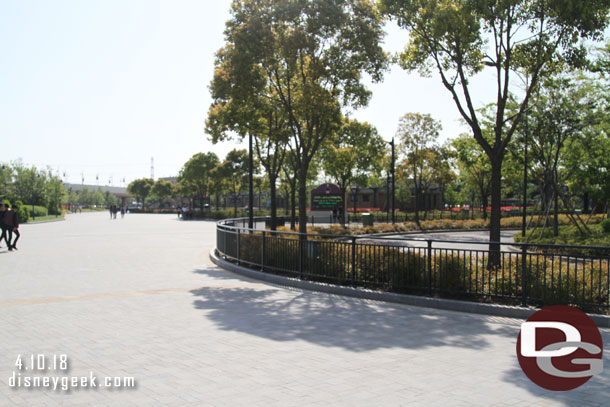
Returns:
(570, 235)
(45, 218)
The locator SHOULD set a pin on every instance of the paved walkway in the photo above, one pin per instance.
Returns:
(138, 297)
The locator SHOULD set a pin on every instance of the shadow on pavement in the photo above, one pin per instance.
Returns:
(286, 314)
(283, 314)
(594, 392)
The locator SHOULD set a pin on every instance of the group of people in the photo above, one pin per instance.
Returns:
(9, 221)
(115, 209)
(185, 212)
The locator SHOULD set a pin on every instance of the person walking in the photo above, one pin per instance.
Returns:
(3, 209)
(15, 230)
(11, 222)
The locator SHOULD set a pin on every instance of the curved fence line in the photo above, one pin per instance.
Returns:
(447, 268)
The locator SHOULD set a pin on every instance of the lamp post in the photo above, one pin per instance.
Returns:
(523, 221)
(355, 197)
(392, 172)
(387, 198)
(250, 184)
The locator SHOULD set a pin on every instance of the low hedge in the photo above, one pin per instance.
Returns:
(452, 274)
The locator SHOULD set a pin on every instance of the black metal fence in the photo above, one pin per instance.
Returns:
(516, 273)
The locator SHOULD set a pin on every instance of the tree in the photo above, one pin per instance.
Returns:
(85, 197)
(109, 199)
(474, 168)
(592, 176)
(140, 188)
(217, 183)
(236, 112)
(561, 123)
(351, 153)
(162, 190)
(195, 175)
(289, 185)
(234, 170)
(7, 187)
(30, 185)
(459, 39)
(425, 161)
(98, 197)
(56, 193)
(307, 58)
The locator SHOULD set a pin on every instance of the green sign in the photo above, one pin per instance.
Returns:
(326, 202)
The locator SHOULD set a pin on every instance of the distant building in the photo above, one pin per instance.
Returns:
(119, 192)
(376, 199)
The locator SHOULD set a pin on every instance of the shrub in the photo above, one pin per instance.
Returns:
(23, 212)
(250, 246)
(39, 211)
(450, 272)
(605, 225)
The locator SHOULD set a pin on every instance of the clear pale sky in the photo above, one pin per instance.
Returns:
(99, 87)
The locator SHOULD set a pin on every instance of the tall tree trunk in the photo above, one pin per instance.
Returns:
(302, 186)
(293, 205)
(556, 215)
(485, 205)
(416, 204)
(273, 193)
(585, 203)
(426, 206)
(472, 206)
(494, 223)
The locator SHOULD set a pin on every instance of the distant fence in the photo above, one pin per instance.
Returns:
(524, 274)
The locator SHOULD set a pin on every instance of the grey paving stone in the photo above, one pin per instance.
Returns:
(139, 297)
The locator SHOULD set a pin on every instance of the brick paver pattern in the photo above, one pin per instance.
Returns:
(139, 297)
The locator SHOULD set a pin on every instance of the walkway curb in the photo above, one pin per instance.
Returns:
(602, 321)
(44, 221)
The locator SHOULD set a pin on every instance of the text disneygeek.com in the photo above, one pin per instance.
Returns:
(40, 365)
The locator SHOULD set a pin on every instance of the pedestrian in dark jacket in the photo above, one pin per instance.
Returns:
(11, 222)
(3, 208)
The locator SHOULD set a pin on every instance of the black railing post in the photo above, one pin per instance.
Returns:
(263, 253)
(224, 248)
(238, 244)
(353, 261)
(300, 263)
(429, 267)
(524, 276)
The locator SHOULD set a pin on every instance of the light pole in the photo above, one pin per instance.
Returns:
(392, 172)
(250, 184)
(355, 197)
(387, 198)
(523, 221)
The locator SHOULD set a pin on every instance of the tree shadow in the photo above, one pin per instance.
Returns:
(594, 392)
(288, 314)
(219, 273)
(284, 314)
